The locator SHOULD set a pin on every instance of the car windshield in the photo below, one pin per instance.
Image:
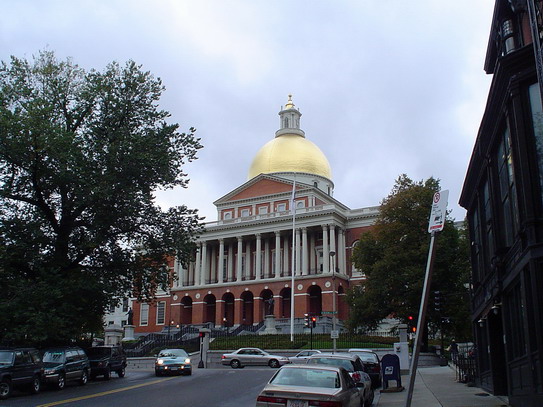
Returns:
(6, 357)
(345, 363)
(98, 352)
(53, 356)
(173, 353)
(307, 377)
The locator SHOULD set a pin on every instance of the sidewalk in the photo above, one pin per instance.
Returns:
(437, 387)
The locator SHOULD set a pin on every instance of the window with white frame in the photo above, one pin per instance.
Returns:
(125, 305)
(262, 210)
(227, 215)
(161, 312)
(282, 207)
(300, 204)
(144, 314)
(245, 213)
(354, 271)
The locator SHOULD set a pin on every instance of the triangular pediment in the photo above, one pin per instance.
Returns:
(262, 185)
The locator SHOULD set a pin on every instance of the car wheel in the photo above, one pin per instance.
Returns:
(107, 374)
(61, 382)
(369, 400)
(84, 377)
(235, 364)
(35, 386)
(273, 363)
(121, 372)
(5, 389)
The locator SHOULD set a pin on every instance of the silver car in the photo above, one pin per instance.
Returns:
(354, 365)
(310, 385)
(253, 357)
(301, 357)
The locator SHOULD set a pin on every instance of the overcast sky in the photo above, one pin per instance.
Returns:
(385, 87)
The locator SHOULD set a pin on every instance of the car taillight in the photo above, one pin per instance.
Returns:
(223, 357)
(376, 369)
(271, 399)
(315, 403)
(356, 377)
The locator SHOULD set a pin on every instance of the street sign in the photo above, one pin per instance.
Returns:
(334, 334)
(328, 312)
(438, 212)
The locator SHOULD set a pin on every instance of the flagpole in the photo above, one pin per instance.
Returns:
(293, 208)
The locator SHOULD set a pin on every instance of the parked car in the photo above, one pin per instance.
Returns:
(301, 357)
(354, 365)
(20, 368)
(253, 357)
(372, 363)
(65, 364)
(173, 361)
(313, 385)
(106, 359)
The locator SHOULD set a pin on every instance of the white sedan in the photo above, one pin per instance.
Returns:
(253, 357)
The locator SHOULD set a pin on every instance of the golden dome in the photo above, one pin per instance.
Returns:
(290, 153)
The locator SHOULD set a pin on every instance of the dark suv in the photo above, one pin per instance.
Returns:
(19, 368)
(65, 364)
(106, 359)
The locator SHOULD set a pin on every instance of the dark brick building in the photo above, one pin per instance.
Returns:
(503, 195)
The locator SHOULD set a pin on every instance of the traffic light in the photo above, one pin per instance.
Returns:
(314, 321)
(411, 323)
(437, 301)
(307, 322)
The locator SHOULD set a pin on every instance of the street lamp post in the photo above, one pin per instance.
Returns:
(333, 266)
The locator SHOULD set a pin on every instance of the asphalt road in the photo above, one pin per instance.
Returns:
(221, 387)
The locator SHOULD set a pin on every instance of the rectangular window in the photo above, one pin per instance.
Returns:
(537, 123)
(161, 313)
(245, 213)
(281, 207)
(514, 323)
(508, 195)
(144, 314)
(125, 305)
(227, 215)
(262, 210)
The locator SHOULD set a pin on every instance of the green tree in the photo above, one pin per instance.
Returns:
(393, 255)
(81, 154)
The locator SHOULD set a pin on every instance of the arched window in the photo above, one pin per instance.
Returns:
(286, 122)
(354, 271)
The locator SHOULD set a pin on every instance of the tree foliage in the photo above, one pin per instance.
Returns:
(393, 256)
(81, 154)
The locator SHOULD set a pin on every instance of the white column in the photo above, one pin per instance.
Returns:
(240, 255)
(312, 255)
(287, 259)
(298, 253)
(305, 268)
(258, 257)
(248, 260)
(198, 263)
(230, 270)
(267, 258)
(277, 254)
(190, 274)
(213, 267)
(220, 269)
(341, 252)
(333, 245)
(204, 271)
(325, 250)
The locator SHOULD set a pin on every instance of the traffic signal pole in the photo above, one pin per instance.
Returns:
(422, 318)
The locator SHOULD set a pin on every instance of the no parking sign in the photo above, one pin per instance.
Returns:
(438, 212)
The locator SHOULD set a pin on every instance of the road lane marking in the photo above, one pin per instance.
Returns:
(104, 393)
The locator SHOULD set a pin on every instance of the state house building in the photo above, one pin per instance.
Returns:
(246, 257)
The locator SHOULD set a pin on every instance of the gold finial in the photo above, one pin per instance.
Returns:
(289, 104)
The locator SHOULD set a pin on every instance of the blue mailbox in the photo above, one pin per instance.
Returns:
(390, 366)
